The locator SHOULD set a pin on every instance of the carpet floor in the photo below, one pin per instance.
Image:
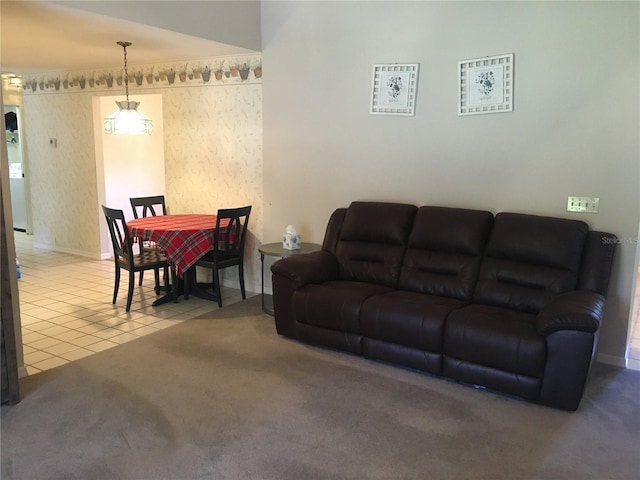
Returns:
(225, 397)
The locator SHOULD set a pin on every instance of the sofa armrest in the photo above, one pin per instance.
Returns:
(294, 272)
(316, 267)
(578, 310)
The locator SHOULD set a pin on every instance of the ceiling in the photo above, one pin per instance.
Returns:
(39, 36)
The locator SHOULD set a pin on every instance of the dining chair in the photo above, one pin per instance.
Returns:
(125, 258)
(228, 247)
(148, 206)
(145, 207)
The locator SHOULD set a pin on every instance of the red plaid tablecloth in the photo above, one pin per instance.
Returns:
(183, 238)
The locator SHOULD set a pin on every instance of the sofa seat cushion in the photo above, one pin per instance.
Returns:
(495, 337)
(408, 318)
(334, 305)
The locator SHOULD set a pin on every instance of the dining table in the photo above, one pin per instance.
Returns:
(183, 238)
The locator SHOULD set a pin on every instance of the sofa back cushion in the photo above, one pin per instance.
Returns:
(372, 241)
(597, 262)
(334, 227)
(444, 252)
(529, 260)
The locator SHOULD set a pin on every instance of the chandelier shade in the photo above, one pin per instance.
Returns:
(127, 120)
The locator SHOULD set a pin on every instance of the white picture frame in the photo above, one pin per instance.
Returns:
(485, 85)
(394, 88)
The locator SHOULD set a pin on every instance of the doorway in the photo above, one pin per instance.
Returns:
(16, 167)
(127, 165)
(633, 350)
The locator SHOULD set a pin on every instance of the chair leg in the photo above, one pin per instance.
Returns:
(166, 280)
(116, 284)
(216, 285)
(132, 282)
(186, 279)
(241, 273)
(156, 276)
(174, 285)
(141, 247)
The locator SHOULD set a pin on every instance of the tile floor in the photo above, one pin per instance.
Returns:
(66, 309)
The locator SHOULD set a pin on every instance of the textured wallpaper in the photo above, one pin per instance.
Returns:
(213, 158)
(62, 179)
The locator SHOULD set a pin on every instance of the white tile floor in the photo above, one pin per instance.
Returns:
(66, 309)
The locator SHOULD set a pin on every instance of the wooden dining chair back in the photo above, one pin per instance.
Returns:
(125, 258)
(148, 206)
(228, 246)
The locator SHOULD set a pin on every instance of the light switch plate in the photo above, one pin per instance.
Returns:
(583, 204)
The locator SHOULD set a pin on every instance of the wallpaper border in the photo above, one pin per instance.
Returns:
(231, 70)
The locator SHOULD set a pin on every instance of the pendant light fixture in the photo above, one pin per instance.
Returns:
(127, 119)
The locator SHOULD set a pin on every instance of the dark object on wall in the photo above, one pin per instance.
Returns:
(11, 121)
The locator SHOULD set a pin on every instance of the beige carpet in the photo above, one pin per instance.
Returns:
(225, 397)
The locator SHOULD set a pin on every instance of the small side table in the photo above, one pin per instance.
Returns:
(276, 250)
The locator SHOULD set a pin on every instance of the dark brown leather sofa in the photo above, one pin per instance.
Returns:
(512, 303)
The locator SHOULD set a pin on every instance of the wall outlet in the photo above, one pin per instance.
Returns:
(583, 204)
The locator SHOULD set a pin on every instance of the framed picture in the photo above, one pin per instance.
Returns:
(485, 85)
(394, 88)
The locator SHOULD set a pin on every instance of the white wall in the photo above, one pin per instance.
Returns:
(574, 129)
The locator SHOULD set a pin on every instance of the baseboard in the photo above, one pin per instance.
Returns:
(633, 364)
(611, 360)
(634, 350)
(248, 286)
(227, 282)
(71, 251)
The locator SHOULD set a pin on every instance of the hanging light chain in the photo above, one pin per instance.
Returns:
(124, 46)
(127, 120)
